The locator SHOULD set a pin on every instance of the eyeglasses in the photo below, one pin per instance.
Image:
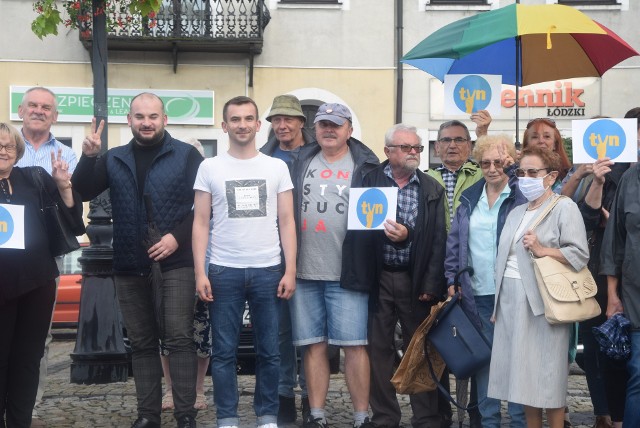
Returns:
(486, 164)
(529, 172)
(449, 140)
(407, 148)
(9, 148)
(545, 120)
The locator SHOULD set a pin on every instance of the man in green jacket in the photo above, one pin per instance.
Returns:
(457, 172)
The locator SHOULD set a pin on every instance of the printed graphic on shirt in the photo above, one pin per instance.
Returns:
(246, 198)
(324, 210)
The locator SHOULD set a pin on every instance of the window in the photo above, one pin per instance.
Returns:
(587, 2)
(65, 140)
(311, 1)
(456, 2)
(210, 148)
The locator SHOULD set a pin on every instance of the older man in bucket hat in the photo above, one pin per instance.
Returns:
(330, 306)
(289, 134)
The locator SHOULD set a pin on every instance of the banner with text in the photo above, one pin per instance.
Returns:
(598, 138)
(183, 107)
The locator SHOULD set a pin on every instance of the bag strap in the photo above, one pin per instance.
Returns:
(37, 180)
(547, 210)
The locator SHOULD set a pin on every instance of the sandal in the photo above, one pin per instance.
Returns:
(201, 402)
(167, 401)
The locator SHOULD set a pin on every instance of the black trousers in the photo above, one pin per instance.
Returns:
(396, 302)
(24, 323)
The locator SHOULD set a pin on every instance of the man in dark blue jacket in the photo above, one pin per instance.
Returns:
(151, 186)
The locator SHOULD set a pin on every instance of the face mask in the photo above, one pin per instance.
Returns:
(532, 187)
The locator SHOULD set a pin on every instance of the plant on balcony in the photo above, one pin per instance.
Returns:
(79, 14)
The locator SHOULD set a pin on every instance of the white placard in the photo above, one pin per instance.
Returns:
(12, 226)
(369, 207)
(465, 94)
(597, 138)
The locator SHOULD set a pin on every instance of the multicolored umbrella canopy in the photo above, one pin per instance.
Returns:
(556, 42)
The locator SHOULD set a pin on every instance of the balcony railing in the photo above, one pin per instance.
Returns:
(187, 25)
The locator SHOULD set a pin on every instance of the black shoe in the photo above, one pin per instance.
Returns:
(144, 423)
(366, 424)
(287, 412)
(306, 408)
(187, 422)
(311, 422)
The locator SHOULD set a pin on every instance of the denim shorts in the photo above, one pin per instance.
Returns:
(324, 311)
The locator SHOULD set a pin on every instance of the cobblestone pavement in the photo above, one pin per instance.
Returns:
(113, 405)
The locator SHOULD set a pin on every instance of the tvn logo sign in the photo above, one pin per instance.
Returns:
(604, 138)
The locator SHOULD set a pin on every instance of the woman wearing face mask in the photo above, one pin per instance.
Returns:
(529, 359)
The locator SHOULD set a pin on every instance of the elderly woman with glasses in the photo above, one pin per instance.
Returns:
(27, 271)
(473, 241)
(529, 363)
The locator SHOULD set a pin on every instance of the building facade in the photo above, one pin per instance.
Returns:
(343, 51)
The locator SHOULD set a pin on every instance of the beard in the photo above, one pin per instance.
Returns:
(148, 141)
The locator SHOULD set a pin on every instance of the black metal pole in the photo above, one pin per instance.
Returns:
(518, 56)
(399, 49)
(99, 58)
(100, 355)
(518, 82)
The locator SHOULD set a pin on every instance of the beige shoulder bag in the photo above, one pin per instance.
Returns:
(568, 296)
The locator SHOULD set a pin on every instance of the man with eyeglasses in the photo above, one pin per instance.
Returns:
(408, 271)
(39, 111)
(457, 171)
(456, 174)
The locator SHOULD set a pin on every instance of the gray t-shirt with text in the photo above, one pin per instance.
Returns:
(325, 207)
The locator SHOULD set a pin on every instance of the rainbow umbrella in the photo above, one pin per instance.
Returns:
(524, 43)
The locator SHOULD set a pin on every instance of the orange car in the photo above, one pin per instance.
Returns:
(67, 308)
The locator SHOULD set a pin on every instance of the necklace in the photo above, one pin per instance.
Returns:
(536, 206)
(5, 186)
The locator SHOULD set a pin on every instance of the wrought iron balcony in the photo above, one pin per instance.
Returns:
(234, 26)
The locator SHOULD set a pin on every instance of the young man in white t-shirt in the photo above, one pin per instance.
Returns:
(250, 196)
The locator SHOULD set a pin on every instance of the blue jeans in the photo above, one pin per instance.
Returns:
(289, 377)
(490, 407)
(231, 287)
(631, 408)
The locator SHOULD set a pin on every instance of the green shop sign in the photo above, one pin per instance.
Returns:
(183, 107)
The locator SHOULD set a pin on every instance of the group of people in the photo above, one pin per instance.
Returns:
(269, 227)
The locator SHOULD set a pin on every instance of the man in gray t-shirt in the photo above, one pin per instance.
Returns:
(328, 308)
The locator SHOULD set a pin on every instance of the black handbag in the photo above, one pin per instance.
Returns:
(462, 346)
(62, 240)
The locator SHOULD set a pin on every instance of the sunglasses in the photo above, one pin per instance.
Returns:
(544, 120)
(486, 164)
(407, 148)
(529, 172)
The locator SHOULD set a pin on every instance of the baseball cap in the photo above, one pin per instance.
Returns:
(336, 113)
(286, 105)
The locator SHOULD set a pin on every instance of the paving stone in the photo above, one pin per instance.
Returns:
(67, 405)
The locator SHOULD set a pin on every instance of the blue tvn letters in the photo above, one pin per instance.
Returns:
(472, 93)
(6, 225)
(604, 138)
(372, 208)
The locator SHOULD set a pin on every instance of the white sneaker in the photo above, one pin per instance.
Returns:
(268, 426)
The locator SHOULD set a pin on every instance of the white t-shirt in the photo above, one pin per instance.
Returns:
(245, 208)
